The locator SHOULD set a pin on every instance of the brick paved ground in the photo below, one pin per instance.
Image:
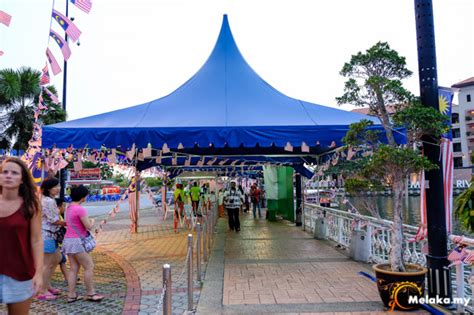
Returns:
(276, 268)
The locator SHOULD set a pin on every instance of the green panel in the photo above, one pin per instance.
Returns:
(285, 193)
(272, 207)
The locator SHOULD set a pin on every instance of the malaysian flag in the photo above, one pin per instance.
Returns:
(52, 61)
(45, 79)
(53, 97)
(67, 25)
(84, 5)
(445, 107)
(62, 44)
(5, 18)
(36, 168)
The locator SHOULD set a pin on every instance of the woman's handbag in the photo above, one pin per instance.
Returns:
(88, 242)
(59, 234)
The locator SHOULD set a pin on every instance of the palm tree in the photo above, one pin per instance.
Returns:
(19, 94)
(464, 209)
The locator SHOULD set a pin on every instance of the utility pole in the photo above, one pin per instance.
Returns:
(439, 281)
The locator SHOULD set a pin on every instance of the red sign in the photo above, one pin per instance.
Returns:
(86, 173)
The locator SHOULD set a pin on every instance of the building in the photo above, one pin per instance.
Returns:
(463, 123)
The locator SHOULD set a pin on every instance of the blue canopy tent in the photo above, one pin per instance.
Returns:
(224, 106)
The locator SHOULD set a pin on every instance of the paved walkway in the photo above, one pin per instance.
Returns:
(274, 267)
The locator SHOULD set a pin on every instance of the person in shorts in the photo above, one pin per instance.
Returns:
(21, 245)
(78, 224)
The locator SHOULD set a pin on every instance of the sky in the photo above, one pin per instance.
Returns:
(132, 52)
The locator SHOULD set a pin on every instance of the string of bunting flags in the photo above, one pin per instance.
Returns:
(5, 19)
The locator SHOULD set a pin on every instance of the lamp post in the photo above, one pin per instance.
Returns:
(439, 281)
(63, 171)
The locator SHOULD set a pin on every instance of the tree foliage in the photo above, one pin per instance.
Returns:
(19, 95)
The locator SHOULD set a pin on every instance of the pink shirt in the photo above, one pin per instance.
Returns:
(74, 213)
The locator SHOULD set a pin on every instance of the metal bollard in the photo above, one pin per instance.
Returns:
(190, 272)
(167, 284)
(204, 243)
(198, 251)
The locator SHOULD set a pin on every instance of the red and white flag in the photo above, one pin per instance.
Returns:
(52, 61)
(84, 5)
(70, 28)
(448, 170)
(5, 18)
(53, 97)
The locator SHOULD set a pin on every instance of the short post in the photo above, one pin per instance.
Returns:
(167, 288)
(190, 272)
(198, 251)
(204, 239)
(460, 287)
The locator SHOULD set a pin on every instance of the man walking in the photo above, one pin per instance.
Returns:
(195, 191)
(232, 201)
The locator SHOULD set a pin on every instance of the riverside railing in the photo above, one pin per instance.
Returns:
(341, 224)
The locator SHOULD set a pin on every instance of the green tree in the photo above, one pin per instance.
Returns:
(19, 95)
(375, 80)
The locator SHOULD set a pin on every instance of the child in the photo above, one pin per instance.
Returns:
(62, 263)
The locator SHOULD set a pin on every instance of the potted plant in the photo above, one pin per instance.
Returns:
(374, 81)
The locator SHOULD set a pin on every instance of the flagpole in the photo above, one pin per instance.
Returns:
(63, 171)
(439, 280)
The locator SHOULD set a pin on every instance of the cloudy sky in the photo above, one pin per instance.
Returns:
(135, 51)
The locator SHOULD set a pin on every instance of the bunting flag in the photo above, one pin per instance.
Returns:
(84, 5)
(112, 156)
(53, 97)
(304, 147)
(5, 18)
(77, 162)
(131, 153)
(62, 44)
(1, 53)
(445, 107)
(147, 152)
(45, 78)
(70, 28)
(52, 61)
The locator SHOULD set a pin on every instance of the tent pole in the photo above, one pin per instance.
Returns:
(298, 200)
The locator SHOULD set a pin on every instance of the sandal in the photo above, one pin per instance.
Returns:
(94, 297)
(54, 291)
(74, 299)
(46, 297)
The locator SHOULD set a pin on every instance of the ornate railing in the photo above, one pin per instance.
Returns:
(340, 225)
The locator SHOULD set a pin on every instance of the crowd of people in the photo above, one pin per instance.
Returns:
(231, 201)
(36, 239)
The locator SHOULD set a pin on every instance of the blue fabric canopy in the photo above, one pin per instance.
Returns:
(224, 105)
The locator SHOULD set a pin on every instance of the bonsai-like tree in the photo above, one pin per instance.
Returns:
(375, 81)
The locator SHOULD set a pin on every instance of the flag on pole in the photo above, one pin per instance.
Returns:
(445, 107)
(62, 44)
(53, 97)
(45, 78)
(133, 203)
(5, 18)
(52, 61)
(70, 28)
(84, 5)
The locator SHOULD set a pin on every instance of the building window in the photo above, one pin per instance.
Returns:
(457, 147)
(456, 133)
(468, 98)
(457, 161)
(455, 118)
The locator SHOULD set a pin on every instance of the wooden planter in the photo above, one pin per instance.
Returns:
(395, 288)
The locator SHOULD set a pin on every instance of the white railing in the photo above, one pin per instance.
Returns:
(340, 225)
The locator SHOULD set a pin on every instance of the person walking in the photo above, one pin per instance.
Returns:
(178, 197)
(50, 226)
(255, 194)
(233, 200)
(21, 245)
(195, 191)
(79, 224)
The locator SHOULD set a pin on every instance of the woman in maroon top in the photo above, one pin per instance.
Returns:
(21, 243)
